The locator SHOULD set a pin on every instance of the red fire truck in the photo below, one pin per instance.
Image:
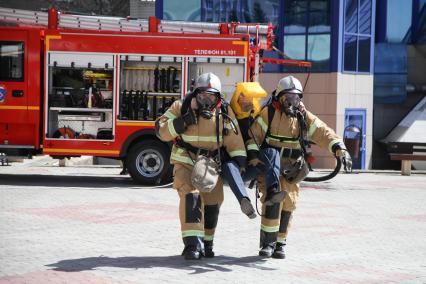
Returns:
(73, 85)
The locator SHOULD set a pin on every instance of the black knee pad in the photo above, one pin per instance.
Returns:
(272, 211)
(211, 215)
(285, 219)
(192, 208)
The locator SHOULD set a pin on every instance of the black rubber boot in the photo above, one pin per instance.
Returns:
(208, 249)
(191, 253)
(274, 195)
(194, 248)
(247, 208)
(279, 251)
(266, 251)
(267, 243)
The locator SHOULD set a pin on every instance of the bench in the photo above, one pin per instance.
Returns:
(406, 161)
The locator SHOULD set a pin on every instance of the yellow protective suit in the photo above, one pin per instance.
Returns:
(198, 212)
(283, 131)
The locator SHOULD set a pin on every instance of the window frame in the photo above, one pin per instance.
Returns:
(306, 34)
(22, 43)
(357, 34)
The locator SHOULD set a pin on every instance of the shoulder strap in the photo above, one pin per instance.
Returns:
(302, 132)
(219, 154)
(186, 103)
(271, 113)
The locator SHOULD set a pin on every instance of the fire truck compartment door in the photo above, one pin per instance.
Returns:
(65, 59)
(16, 127)
(229, 70)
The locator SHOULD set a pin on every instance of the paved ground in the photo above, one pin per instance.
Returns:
(85, 224)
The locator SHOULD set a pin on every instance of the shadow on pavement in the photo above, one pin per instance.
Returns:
(218, 263)
(68, 181)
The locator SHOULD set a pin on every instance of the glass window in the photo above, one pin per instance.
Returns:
(364, 44)
(294, 46)
(295, 16)
(398, 20)
(188, 10)
(421, 4)
(319, 51)
(12, 61)
(365, 17)
(357, 35)
(263, 11)
(319, 16)
(249, 11)
(351, 16)
(350, 53)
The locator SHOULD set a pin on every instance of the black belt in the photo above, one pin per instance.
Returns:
(195, 150)
(290, 153)
(286, 152)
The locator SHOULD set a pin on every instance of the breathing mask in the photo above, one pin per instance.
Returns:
(288, 93)
(206, 102)
(207, 91)
(290, 103)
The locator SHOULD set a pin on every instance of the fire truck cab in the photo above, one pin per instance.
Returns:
(77, 85)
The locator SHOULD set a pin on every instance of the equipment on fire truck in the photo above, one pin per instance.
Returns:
(64, 132)
(105, 134)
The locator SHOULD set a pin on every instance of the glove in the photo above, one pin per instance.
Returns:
(181, 123)
(254, 162)
(346, 159)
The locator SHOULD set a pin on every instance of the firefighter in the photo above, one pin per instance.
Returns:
(201, 124)
(282, 129)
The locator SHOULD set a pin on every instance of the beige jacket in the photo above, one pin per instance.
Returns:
(201, 135)
(284, 132)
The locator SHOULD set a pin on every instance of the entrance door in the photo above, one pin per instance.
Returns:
(355, 136)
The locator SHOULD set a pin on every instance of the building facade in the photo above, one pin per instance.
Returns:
(348, 42)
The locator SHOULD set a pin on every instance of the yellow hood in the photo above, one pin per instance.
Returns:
(247, 96)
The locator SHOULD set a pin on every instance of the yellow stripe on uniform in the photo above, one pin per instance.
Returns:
(281, 240)
(171, 128)
(262, 124)
(169, 115)
(315, 124)
(187, 138)
(238, 153)
(252, 147)
(269, 229)
(192, 233)
(334, 141)
(182, 159)
(208, 237)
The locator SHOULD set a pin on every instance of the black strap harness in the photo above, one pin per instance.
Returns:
(287, 152)
(219, 152)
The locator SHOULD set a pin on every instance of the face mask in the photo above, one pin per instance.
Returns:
(290, 103)
(206, 102)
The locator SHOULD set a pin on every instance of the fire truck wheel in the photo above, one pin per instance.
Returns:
(148, 162)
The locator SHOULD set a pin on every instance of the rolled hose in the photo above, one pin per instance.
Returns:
(326, 177)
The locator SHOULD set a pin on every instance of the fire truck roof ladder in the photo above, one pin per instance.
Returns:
(263, 33)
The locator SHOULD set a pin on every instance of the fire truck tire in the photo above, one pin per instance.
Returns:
(148, 162)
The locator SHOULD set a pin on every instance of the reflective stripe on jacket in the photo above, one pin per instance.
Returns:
(284, 131)
(201, 135)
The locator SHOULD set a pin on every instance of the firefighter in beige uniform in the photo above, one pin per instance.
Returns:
(193, 126)
(278, 127)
